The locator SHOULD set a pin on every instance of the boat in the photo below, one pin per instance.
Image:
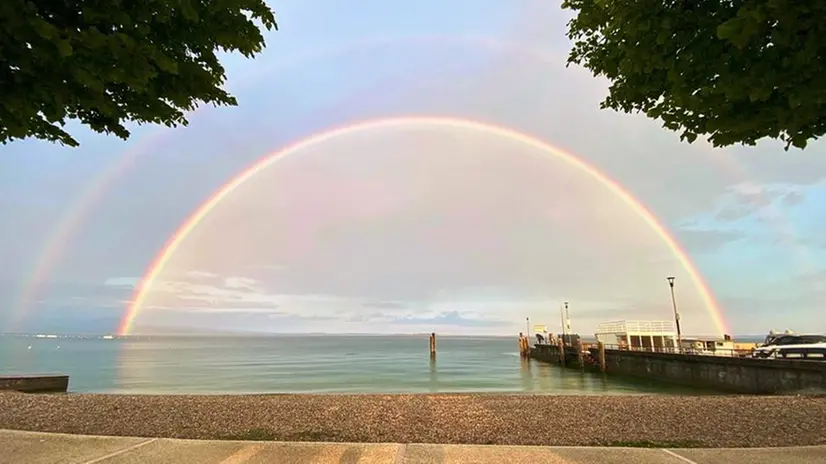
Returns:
(792, 345)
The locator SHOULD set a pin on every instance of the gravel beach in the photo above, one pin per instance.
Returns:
(675, 421)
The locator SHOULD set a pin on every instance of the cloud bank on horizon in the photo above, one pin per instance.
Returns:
(410, 229)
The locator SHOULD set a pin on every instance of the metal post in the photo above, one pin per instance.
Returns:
(562, 321)
(528, 326)
(676, 315)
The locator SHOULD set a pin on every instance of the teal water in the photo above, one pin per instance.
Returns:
(319, 364)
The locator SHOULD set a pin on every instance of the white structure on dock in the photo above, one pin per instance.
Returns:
(648, 335)
(709, 346)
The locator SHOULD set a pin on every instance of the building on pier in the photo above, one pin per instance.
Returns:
(647, 335)
(709, 346)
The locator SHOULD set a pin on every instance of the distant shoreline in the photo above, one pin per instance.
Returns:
(507, 419)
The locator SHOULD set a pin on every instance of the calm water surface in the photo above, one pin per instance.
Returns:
(323, 364)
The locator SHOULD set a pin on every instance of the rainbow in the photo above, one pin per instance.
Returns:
(163, 257)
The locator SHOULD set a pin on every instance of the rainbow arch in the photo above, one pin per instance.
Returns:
(173, 243)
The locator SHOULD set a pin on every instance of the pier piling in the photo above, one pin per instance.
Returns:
(602, 363)
(524, 346)
(579, 356)
(562, 351)
(433, 345)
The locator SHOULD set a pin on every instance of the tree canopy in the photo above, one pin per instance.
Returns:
(733, 71)
(109, 62)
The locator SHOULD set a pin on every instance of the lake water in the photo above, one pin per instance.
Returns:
(319, 364)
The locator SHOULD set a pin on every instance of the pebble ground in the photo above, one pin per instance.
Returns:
(657, 421)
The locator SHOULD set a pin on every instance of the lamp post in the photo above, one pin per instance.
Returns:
(528, 326)
(562, 322)
(567, 321)
(676, 314)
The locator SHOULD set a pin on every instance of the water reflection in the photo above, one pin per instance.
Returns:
(544, 376)
(525, 374)
(434, 375)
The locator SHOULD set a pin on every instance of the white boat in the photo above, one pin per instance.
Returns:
(792, 345)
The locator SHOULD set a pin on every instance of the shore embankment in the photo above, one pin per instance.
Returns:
(615, 420)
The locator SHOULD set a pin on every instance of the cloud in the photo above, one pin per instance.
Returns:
(385, 305)
(765, 202)
(241, 283)
(706, 241)
(122, 282)
(452, 318)
(201, 275)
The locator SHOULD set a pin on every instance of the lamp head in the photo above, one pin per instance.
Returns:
(670, 281)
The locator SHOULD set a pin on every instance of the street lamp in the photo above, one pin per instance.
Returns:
(562, 323)
(676, 314)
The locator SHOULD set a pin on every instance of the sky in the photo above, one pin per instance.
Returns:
(417, 226)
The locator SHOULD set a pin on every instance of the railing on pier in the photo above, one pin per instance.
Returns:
(803, 353)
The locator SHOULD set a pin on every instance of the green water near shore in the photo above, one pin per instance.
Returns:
(304, 364)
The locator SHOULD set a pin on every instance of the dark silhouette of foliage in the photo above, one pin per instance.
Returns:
(109, 62)
(734, 71)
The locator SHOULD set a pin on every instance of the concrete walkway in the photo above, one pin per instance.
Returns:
(43, 448)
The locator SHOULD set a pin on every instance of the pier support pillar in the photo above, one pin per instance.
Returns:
(433, 345)
(561, 346)
(579, 357)
(602, 362)
(523, 345)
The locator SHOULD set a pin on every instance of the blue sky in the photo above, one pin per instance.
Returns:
(410, 229)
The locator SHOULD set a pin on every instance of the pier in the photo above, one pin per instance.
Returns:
(728, 373)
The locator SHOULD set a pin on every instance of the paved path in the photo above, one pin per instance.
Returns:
(47, 448)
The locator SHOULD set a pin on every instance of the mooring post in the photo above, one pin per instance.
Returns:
(433, 345)
(561, 346)
(602, 362)
(521, 344)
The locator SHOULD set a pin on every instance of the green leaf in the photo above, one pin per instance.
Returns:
(44, 29)
(64, 48)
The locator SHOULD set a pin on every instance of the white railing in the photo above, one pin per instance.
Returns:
(656, 328)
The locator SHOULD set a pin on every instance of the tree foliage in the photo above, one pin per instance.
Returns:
(109, 62)
(735, 71)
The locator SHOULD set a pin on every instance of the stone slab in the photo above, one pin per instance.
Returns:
(483, 454)
(48, 448)
(238, 452)
(36, 383)
(796, 455)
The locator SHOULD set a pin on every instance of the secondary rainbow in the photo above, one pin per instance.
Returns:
(166, 253)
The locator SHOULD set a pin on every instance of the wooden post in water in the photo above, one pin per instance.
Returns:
(433, 345)
(579, 354)
(561, 346)
(602, 362)
(521, 344)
